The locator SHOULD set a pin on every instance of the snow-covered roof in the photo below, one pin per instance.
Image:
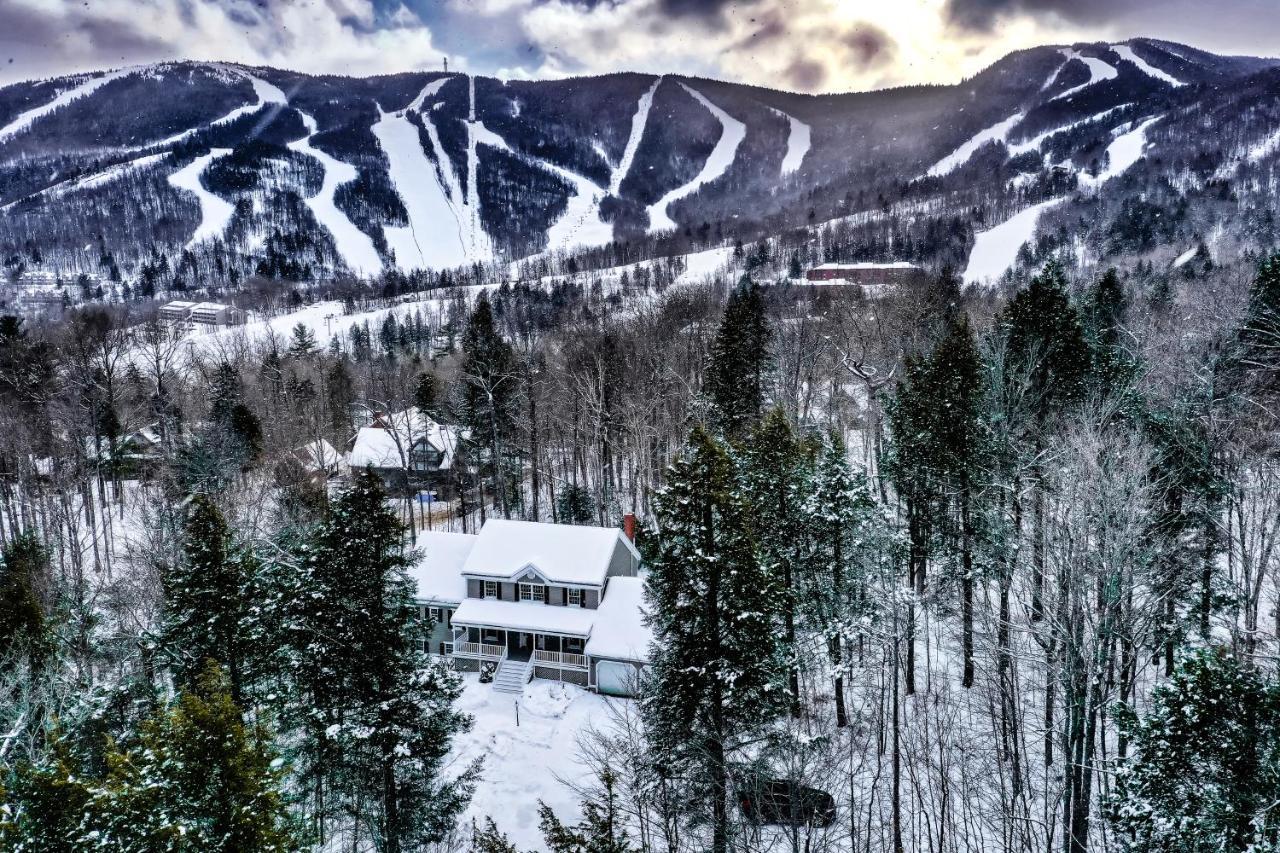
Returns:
(524, 616)
(318, 455)
(377, 446)
(438, 571)
(620, 632)
(867, 265)
(562, 553)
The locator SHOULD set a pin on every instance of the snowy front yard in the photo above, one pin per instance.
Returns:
(524, 764)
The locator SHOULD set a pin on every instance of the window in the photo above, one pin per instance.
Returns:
(435, 615)
(533, 592)
(490, 589)
(575, 598)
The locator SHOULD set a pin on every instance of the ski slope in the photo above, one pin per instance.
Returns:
(433, 237)
(266, 94)
(1123, 152)
(638, 123)
(1185, 258)
(732, 132)
(996, 250)
(355, 247)
(66, 96)
(93, 179)
(1034, 143)
(799, 138)
(215, 212)
(1126, 53)
(1099, 72)
(998, 132)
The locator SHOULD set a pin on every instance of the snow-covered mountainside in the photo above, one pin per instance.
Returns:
(261, 171)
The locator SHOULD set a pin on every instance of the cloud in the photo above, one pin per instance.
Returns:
(45, 37)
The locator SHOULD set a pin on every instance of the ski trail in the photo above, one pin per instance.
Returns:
(354, 246)
(996, 249)
(266, 93)
(1126, 53)
(1123, 152)
(1034, 143)
(66, 96)
(215, 212)
(798, 142)
(638, 122)
(1263, 148)
(477, 241)
(1099, 71)
(998, 132)
(732, 132)
(94, 179)
(430, 197)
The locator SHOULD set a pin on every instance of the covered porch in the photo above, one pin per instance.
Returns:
(553, 639)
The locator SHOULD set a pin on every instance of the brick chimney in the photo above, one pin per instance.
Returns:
(629, 526)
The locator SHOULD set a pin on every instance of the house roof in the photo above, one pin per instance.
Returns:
(438, 570)
(381, 446)
(868, 265)
(562, 553)
(318, 455)
(524, 616)
(620, 631)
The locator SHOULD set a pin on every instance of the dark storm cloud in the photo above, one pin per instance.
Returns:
(870, 46)
(34, 43)
(806, 75)
(985, 14)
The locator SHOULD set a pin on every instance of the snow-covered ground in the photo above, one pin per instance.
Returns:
(638, 123)
(66, 96)
(732, 132)
(355, 247)
(523, 764)
(799, 138)
(1123, 152)
(433, 236)
(1185, 257)
(264, 92)
(998, 132)
(1034, 143)
(996, 249)
(215, 212)
(1098, 72)
(1126, 53)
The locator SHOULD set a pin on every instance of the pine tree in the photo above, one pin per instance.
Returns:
(490, 393)
(718, 671)
(303, 344)
(739, 361)
(208, 600)
(24, 570)
(839, 515)
(377, 717)
(1206, 765)
(775, 473)
(601, 829)
(574, 505)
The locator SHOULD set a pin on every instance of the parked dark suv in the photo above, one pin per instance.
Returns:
(783, 802)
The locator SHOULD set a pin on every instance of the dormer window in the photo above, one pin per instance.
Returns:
(490, 589)
(533, 592)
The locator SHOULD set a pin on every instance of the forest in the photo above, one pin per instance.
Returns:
(995, 568)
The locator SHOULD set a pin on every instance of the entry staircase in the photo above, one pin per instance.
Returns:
(512, 676)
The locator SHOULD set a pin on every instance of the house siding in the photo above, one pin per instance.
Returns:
(556, 596)
(475, 589)
(506, 591)
(591, 599)
(622, 563)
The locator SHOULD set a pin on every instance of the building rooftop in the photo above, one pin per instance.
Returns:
(620, 631)
(523, 616)
(438, 570)
(562, 553)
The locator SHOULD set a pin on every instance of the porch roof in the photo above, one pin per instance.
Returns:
(524, 616)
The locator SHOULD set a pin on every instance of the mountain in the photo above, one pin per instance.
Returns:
(203, 174)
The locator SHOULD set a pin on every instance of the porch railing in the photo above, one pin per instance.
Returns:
(480, 650)
(560, 659)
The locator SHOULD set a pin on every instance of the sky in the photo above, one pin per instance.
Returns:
(799, 45)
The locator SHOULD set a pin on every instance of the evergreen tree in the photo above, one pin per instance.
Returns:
(601, 829)
(303, 343)
(490, 393)
(775, 473)
(839, 514)
(24, 570)
(199, 779)
(718, 671)
(1206, 765)
(377, 717)
(739, 361)
(574, 505)
(209, 600)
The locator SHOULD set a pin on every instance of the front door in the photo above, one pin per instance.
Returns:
(523, 646)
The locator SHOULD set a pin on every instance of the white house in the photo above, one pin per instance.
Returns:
(536, 600)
